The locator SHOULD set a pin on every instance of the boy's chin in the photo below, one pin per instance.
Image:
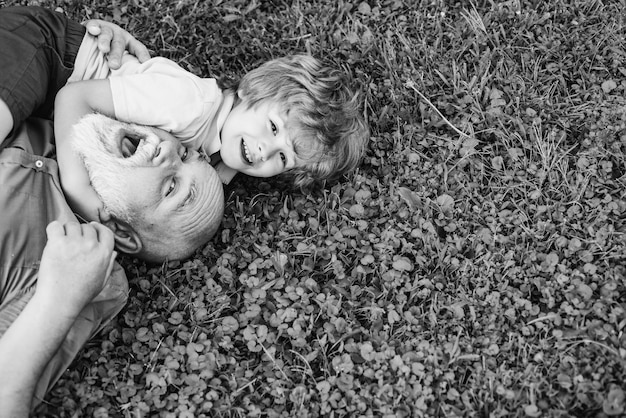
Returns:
(233, 162)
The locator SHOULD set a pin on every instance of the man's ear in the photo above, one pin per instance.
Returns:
(127, 239)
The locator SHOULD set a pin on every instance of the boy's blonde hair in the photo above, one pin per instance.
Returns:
(325, 120)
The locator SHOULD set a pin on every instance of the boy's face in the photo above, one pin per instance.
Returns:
(255, 140)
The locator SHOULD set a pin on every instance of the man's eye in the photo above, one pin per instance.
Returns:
(171, 187)
(274, 128)
(283, 158)
(185, 155)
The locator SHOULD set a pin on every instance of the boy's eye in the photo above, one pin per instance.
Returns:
(274, 128)
(283, 158)
(185, 155)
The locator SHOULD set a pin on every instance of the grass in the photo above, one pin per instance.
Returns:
(474, 264)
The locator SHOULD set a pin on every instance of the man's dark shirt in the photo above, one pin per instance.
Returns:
(30, 198)
(38, 49)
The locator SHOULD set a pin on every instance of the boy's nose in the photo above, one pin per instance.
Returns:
(267, 149)
(262, 155)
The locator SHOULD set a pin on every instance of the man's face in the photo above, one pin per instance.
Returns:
(145, 177)
(256, 142)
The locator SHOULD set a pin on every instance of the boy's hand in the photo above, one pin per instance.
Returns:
(83, 199)
(73, 174)
(76, 185)
(113, 40)
(75, 264)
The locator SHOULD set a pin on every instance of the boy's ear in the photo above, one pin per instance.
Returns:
(127, 239)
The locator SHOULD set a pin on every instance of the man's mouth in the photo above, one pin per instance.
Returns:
(129, 145)
(245, 153)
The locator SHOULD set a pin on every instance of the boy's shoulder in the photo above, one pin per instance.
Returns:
(131, 65)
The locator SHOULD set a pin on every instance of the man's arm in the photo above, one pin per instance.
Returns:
(74, 266)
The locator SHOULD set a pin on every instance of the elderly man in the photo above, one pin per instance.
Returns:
(132, 168)
(58, 281)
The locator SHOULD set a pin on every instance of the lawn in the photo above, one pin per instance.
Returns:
(473, 266)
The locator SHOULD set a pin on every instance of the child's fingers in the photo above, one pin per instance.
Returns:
(118, 46)
(103, 32)
(104, 39)
(139, 50)
(103, 215)
(93, 28)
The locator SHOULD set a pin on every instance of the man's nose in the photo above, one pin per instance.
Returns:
(166, 153)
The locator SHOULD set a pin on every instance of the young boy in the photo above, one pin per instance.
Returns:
(291, 114)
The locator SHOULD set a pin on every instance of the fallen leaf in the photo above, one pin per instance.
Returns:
(609, 85)
(614, 402)
(446, 202)
(497, 163)
(409, 197)
(403, 264)
(532, 411)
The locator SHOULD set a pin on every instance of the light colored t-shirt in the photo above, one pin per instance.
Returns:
(159, 93)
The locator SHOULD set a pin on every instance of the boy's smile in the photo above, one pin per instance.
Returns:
(256, 141)
(246, 153)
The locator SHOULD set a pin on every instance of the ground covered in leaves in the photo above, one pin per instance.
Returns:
(474, 266)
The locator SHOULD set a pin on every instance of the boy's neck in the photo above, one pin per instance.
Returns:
(225, 173)
(229, 94)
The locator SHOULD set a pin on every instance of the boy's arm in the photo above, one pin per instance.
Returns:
(72, 103)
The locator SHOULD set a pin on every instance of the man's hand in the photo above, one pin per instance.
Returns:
(75, 264)
(114, 40)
